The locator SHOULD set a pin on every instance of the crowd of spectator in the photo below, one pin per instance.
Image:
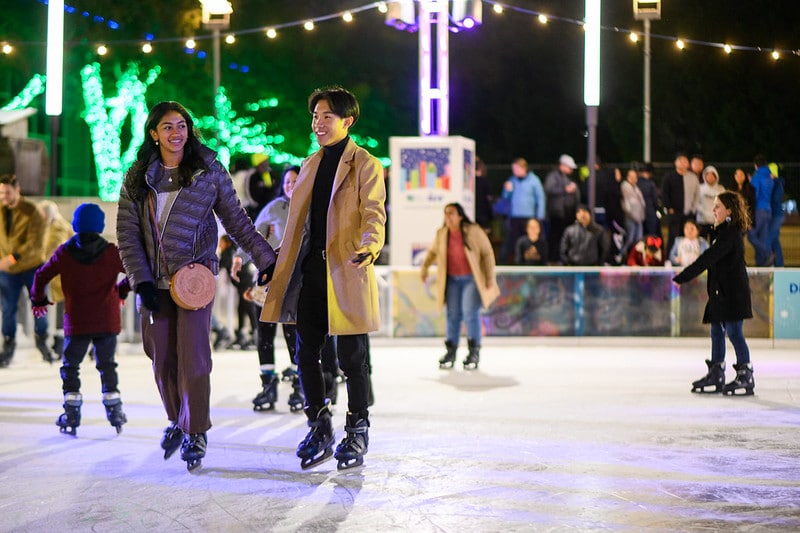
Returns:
(548, 222)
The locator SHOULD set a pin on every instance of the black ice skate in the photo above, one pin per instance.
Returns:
(44, 349)
(9, 345)
(288, 374)
(449, 358)
(71, 419)
(193, 450)
(743, 384)
(350, 453)
(116, 417)
(265, 400)
(172, 440)
(715, 378)
(296, 399)
(317, 446)
(473, 356)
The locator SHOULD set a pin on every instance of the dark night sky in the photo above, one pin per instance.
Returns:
(516, 85)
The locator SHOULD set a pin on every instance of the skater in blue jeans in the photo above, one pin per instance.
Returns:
(465, 280)
(728, 295)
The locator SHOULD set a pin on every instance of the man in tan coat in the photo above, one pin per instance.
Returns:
(21, 253)
(324, 279)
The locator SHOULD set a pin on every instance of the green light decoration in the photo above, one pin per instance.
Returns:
(106, 118)
(34, 88)
(231, 134)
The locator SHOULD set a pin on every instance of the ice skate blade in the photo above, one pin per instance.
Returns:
(193, 464)
(701, 390)
(69, 430)
(263, 407)
(311, 462)
(119, 429)
(347, 464)
(296, 408)
(739, 392)
(470, 366)
(446, 366)
(169, 452)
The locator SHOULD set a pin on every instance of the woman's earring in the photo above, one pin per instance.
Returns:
(156, 141)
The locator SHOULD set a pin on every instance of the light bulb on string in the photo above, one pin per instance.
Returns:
(542, 19)
(680, 44)
(308, 25)
(728, 48)
(347, 16)
(634, 37)
(147, 48)
(497, 8)
(230, 38)
(271, 33)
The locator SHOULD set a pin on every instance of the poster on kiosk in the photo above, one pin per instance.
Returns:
(426, 174)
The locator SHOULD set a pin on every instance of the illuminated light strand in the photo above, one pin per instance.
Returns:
(498, 8)
(98, 19)
(106, 117)
(35, 87)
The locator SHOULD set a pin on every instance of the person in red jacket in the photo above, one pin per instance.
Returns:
(89, 267)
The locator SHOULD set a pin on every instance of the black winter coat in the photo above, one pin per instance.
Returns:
(728, 286)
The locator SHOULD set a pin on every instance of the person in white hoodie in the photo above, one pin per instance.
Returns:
(704, 208)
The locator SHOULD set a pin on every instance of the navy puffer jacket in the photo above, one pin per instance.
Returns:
(190, 232)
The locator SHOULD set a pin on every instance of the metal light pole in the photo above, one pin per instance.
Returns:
(216, 17)
(55, 81)
(591, 87)
(647, 10)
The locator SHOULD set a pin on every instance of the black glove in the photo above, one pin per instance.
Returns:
(265, 276)
(149, 294)
(124, 288)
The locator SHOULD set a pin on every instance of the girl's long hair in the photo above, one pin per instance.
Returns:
(740, 215)
(191, 162)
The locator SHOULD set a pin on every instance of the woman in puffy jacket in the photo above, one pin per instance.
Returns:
(166, 220)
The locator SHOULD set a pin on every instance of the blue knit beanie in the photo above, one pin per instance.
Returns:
(88, 218)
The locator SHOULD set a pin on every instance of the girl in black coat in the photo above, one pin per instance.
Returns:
(728, 295)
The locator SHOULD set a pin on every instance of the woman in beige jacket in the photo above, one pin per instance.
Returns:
(465, 280)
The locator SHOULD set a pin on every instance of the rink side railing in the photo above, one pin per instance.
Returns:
(571, 302)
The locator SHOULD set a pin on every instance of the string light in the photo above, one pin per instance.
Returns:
(776, 55)
(728, 49)
(7, 48)
(102, 50)
(230, 38)
(382, 7)
(634, 37)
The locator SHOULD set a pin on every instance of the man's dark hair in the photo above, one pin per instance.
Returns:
(341, 101)
(760, 160)
(8, 179)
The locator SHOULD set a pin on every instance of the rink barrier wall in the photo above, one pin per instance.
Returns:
(554, 302)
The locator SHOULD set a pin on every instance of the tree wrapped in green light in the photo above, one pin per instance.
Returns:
(106, 118)
(34, 88)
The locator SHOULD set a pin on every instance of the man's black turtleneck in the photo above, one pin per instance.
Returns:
(321, 195)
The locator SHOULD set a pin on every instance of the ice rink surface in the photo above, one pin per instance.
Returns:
(548, 435)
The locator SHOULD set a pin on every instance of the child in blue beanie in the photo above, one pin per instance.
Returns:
(89, 267)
